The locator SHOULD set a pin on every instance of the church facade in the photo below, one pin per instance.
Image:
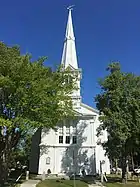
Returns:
(72, 147)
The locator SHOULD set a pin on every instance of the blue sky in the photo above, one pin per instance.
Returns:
(105, 30)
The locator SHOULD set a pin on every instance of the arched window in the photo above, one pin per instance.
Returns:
(48, 160)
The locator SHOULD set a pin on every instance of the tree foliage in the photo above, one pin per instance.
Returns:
(31, 96)
(119, 106)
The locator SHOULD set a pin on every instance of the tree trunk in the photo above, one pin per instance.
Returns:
(4, 168)
(1, 173)
(116, 166)
(127, 169)
(10, 140)
(132, 161)
(4, 161)
(124, 173)
(124, 177)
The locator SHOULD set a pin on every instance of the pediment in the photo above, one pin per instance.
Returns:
(85, 110)
(89, 109)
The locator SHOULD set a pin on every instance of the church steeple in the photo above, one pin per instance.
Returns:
(69, 57)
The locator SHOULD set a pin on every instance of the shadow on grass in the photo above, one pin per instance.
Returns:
(114, 179)
(61, 183)
(11, 182)
(118, 178)
(88, 179)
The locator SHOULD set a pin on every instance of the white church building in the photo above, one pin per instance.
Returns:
(73, 146)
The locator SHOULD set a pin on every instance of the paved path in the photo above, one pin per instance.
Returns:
(95, 185)
(30, 183)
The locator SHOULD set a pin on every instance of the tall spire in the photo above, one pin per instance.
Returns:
(69, 57)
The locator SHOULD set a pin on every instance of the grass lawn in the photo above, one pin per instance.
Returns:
(69, 183)
(129, 184)
(61, 183)
(114, 181)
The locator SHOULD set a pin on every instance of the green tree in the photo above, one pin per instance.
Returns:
(31, 96)
(119, 106)
(21, 152)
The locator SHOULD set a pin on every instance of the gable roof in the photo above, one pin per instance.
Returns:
(85, 111)
(90, 108)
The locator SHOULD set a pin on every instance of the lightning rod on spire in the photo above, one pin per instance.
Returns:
(70, 7)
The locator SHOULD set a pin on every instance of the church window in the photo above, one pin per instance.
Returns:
(60, 139)
(74, 130)
(67, 139)
(48, 160)
(68, 130)
(68, 79)
(74, 139)
(61, 130)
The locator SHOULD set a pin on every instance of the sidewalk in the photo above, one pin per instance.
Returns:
(95, 185)
(30, 183)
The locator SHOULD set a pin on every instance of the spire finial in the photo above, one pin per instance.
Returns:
(70, 7)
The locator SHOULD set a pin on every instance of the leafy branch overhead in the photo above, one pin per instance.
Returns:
(29, 91)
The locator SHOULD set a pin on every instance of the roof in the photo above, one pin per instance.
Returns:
(86, 111)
